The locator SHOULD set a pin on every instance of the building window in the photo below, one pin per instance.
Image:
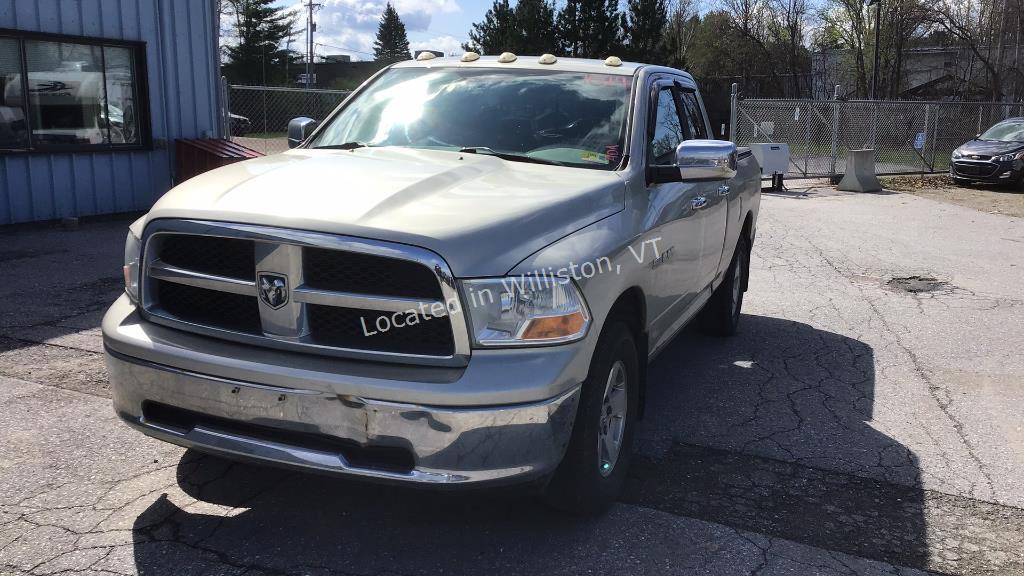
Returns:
(80, 94)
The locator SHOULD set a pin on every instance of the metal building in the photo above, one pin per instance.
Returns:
(93, 94)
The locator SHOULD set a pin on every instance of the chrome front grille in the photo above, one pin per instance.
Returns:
(321, 293)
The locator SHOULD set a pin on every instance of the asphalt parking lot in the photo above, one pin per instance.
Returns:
(866, 420)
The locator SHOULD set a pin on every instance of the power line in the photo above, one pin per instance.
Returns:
(346, 49)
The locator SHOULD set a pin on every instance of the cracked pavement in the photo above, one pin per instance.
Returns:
(850, 428)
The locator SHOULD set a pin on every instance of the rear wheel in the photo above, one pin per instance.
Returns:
(721, 314)
(593, 472)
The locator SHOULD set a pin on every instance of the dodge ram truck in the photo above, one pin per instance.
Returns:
(457, 278)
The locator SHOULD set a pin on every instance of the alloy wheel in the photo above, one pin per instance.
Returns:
(613, 419)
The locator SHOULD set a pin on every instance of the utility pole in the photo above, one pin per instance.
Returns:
(311, 6)
(878, 35)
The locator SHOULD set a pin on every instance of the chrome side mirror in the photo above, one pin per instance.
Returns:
(706, 160)
(299, 129)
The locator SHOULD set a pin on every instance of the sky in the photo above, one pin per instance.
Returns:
(350, 26)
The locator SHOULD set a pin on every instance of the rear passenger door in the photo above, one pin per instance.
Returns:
(715, 208)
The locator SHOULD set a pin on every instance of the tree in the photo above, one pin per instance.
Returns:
(497, 33)
(789, 18)
(535, 27)
(392, 44)
(680, 28)
(257, 57)
(644, 29)
(984, 29)
(589, 28)
(529, 28)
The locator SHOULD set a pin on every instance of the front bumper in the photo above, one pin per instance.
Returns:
(985, 171)
(325, 427)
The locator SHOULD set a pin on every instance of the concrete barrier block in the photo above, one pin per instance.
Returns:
(860, 172)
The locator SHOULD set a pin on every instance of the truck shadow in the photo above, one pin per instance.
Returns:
(766, 432)
(769, 432)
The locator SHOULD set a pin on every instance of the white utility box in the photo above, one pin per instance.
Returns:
(773, 158)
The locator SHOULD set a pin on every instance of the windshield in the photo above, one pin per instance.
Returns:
(1012, 131)
(567, 118)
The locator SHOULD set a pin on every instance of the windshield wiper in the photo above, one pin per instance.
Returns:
(511, 156)
(345, 146)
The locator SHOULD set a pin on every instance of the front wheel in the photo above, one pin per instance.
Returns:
(593, 471)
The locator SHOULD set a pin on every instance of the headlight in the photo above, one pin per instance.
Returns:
(524, 311)
(957, 155)
(132, 249)
(1009, 157)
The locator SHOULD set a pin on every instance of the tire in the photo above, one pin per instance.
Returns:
(590, 477)
(721, 314)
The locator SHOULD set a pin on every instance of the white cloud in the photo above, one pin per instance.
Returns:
(351, 25)
(446, 44)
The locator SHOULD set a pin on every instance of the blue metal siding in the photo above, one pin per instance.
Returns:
(184, 93)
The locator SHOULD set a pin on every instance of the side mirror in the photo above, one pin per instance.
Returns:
(706, 160)
(299, 129)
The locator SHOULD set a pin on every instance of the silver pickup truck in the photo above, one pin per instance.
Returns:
(457, 278)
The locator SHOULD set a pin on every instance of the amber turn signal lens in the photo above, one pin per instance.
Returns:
(550, 327)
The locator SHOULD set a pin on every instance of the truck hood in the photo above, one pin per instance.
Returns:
(480, 213)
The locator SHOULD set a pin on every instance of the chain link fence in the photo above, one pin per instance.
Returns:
(258, 115)
(908, 137)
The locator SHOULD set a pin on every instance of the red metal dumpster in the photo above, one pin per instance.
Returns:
(195, 156)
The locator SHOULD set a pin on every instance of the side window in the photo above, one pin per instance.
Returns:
(667, 131)
(694, 117)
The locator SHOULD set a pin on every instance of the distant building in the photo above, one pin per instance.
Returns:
(337, 58)
(934, 73)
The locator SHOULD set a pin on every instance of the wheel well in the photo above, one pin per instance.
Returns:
(748, 233)
(748, 228)
(631, 308)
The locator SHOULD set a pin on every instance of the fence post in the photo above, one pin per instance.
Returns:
(924, 143)
(733, 103)
(225, 117)
(874, 127)
(807, 136)
(835, 132)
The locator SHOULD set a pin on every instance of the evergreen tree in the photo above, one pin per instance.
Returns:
(535, 23)
(497, 33)
(392, 44)
(643, 30)
(590, 28)
(258, 58)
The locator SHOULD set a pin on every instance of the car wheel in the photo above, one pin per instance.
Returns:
(721, 314)
(593, 471)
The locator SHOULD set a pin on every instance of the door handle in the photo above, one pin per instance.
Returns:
(699, 202)
(723, 190)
